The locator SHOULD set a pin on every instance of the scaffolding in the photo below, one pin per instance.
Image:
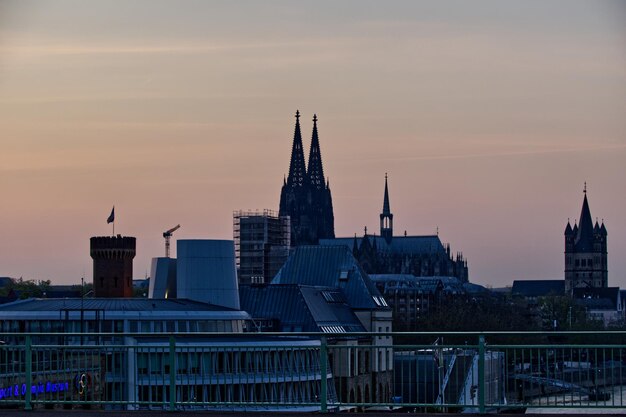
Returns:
(262, 240)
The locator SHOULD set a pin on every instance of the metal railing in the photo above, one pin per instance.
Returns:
(477, 372)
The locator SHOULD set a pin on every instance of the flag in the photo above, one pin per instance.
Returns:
(111, 218)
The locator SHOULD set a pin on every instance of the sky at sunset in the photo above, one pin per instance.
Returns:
(488, 117)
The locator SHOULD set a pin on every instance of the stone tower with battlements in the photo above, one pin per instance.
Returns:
(112, 266)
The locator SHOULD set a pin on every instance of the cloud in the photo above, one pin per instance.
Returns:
(598, 148)
(64, 48)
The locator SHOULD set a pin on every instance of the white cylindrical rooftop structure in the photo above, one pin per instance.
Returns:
(206, 272)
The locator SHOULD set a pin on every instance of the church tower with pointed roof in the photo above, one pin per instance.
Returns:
(586, 263)
(305, 196)
(386, 217)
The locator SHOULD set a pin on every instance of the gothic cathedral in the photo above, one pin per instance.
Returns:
(305, 196)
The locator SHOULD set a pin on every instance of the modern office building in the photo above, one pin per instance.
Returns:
(262, 241)
(128, 361)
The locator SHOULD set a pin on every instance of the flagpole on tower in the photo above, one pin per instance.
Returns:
(111, 219)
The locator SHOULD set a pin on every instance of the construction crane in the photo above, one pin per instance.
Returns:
(167, 235)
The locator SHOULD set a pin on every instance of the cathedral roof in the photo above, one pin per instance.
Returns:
(414, 245)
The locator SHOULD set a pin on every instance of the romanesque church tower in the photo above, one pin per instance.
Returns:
(586, 263)
(305, 196)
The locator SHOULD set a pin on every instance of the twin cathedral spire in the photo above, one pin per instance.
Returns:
(305, 195)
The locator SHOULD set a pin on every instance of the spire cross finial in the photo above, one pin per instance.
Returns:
(365, 229)
(385, 176)
(585, 189)
(297, 114)
(315, 118)
(437, 230)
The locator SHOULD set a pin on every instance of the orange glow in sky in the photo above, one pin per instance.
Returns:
(488, 116)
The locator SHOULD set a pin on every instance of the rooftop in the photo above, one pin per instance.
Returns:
(109, 305)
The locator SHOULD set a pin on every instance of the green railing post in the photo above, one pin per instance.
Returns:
(29, 373)
(481, 374)
(324, 372)
(172, 373)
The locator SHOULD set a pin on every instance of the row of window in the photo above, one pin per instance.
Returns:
(218, 362)
(117, 326)
(288, 392)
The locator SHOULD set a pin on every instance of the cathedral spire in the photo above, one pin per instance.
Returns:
(305, 197)
(386, 218)
(315, 169)
(297, 170)
(386, 209)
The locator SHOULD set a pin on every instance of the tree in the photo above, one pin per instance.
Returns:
(26, 288)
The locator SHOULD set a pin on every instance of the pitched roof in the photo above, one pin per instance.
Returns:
(109, 304)
(568, 229)
(308, 308)
(599, 298)
(422, 285)
(330, 266)
(603, 229)
(538, 288)
(410, 245)
(4, 281)
(584, 235)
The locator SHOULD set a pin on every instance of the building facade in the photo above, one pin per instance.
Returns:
(586, 264)
(262, 241)
(215, 364)
(421, 256)
(305, 196)
(340, 299)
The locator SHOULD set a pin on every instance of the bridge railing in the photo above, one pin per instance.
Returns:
(314, 371)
